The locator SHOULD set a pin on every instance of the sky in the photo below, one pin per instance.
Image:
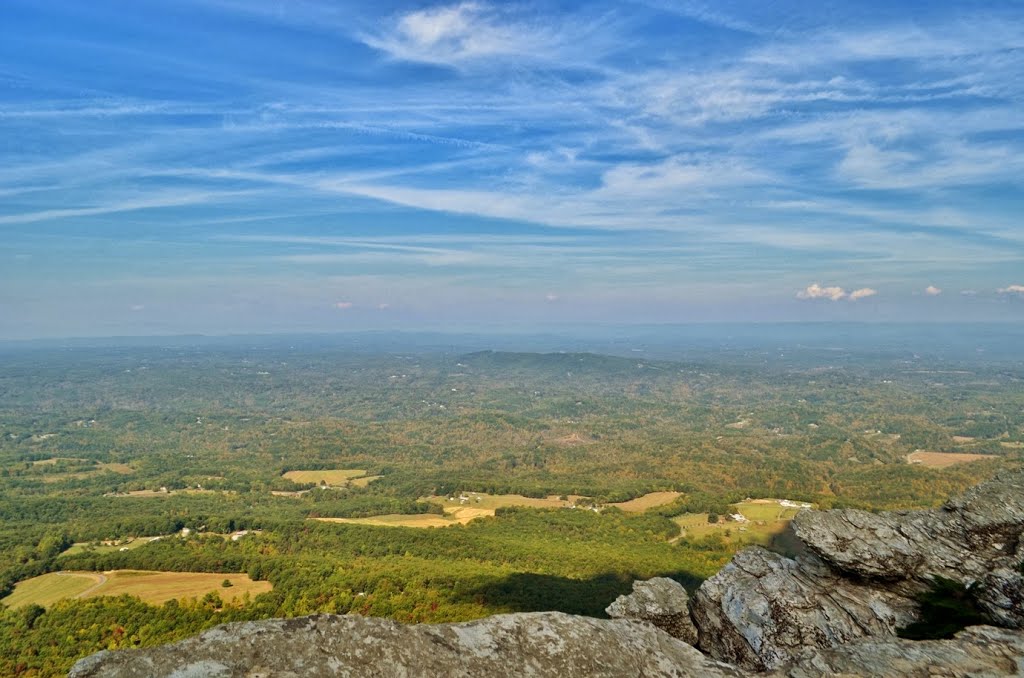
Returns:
(241, 166)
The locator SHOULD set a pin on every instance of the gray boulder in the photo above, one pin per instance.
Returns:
(660, 601)
(976, 652)
(534, 644)
(762, 609)
(974, 540)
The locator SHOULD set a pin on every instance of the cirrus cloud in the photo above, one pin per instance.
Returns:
(932, 291)
(456, 34)
(1012, 289)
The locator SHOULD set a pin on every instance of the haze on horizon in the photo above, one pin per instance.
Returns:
(229, 166)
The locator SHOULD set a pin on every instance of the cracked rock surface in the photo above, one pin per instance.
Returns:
(660, 601)
(528, 644)
(762, 608)
(863, 574)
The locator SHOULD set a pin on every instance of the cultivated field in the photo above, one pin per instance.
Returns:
(943, 459)
(767, 523)
(154, 588)
(399, 520)
(481, 500)
(648, 501)
(462, 508)
(327, 476)
(49, 588)
(458, 510)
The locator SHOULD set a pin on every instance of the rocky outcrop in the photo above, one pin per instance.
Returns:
(977, 651)
(762, 609)
(834, 611)
(660, 601)
(534, 644)
(863, 575)
(965, 540)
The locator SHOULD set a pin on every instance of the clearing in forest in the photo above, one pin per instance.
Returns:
(154, 588)
(482, 500)
(82, 471)
(163, 492)
(110, 546)
(47, 589)
(648, 501)
(943, 459)
(764, 522)
(459, 509)
(397, 520)
(326, 476)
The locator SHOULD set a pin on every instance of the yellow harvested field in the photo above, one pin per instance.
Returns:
(641, 504)
(47, 589)
(458, 510)
(328, 476)
(157, 588)
(1012, 446)
(963, 439)
(944, 459)
(154, 588)
(397, 520)
(464, 514)
(482, 500)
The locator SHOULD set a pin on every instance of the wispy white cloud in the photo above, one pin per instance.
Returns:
(816, 291)
(1012, 289)
(932, 291)
(160, 201)
(862, 293)
(457, 34)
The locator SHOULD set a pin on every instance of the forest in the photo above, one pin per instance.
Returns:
(172, 458)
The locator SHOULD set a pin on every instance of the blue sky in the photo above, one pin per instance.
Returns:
(245, 166)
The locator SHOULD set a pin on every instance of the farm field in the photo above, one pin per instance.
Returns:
(647, 501)
(491, 502)
(944, 459)
(326, 476)
(471, 505)
(47, 589)
(401, 520)
(767, 523)
(154, 588)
